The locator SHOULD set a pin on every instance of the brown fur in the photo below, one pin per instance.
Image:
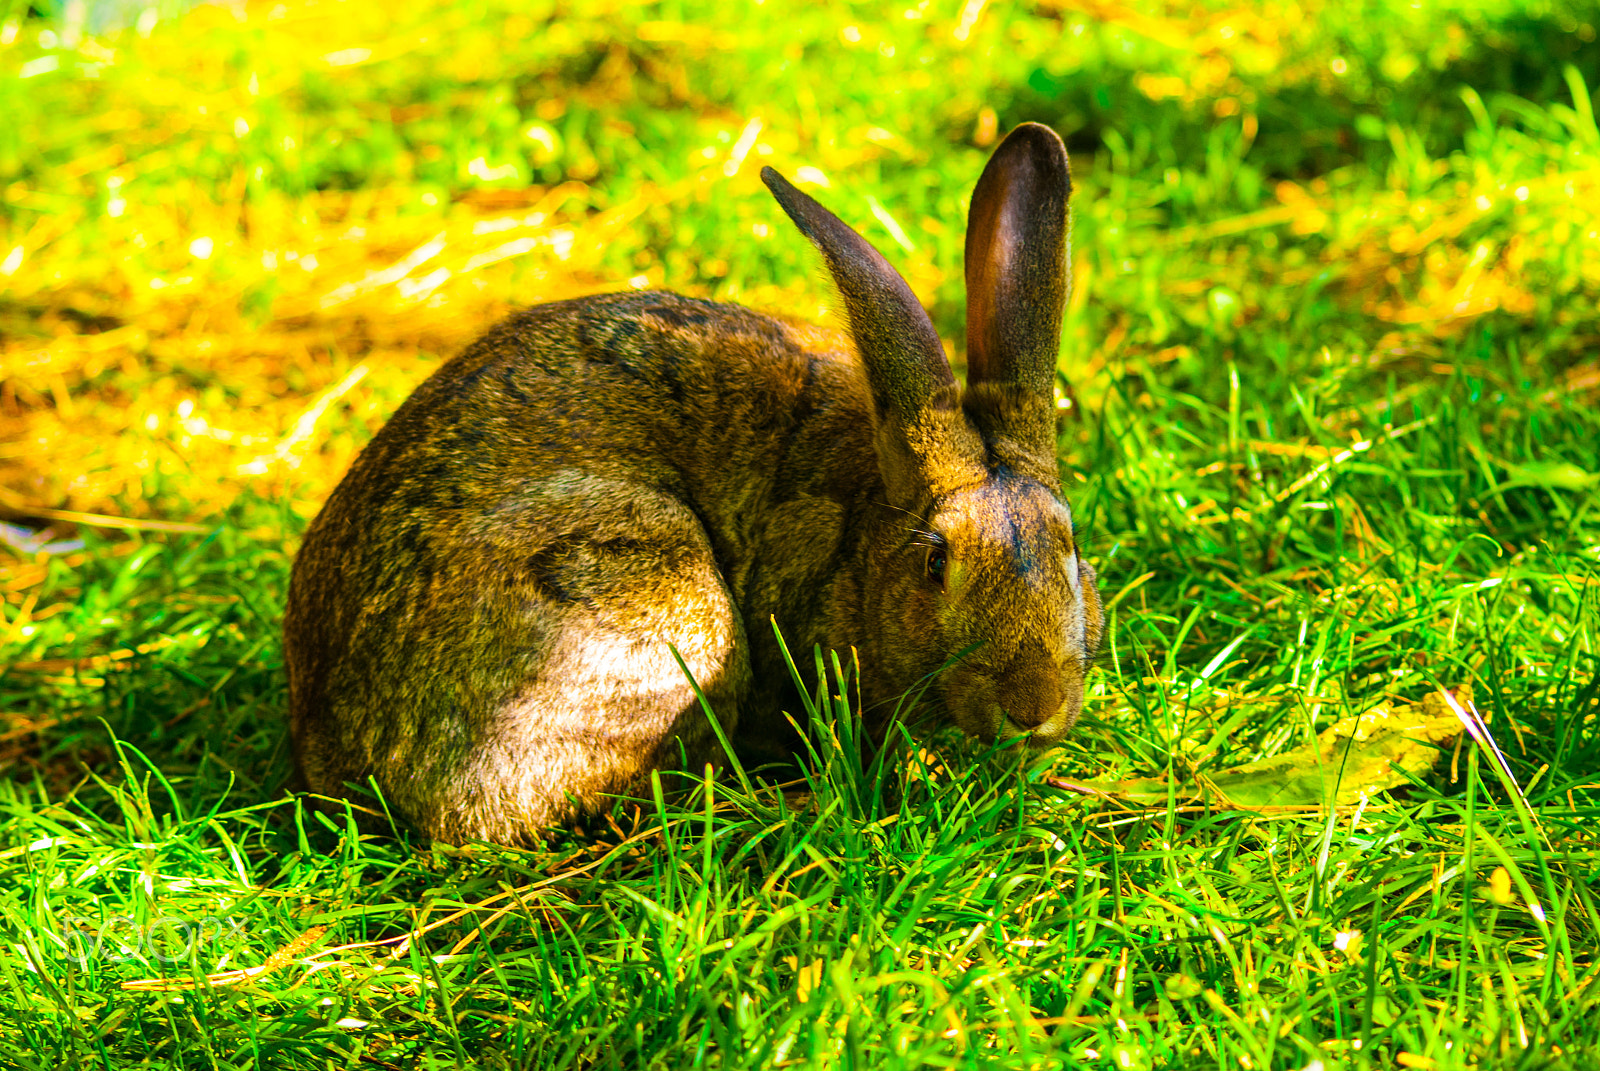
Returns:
(480, 618)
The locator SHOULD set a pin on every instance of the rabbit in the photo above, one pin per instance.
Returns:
(481, 620)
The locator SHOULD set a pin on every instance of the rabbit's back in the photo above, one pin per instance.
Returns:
(654, 385)
(480, 618)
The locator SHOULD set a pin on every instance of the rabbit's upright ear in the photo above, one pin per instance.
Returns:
(923, 440)
(905, 362)
(1017, 264)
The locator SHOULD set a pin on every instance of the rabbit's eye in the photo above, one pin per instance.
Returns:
(936, 564)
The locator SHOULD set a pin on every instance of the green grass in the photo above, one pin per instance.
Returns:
(1336, 443)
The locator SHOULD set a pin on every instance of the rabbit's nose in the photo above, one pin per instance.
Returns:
(1030, 689)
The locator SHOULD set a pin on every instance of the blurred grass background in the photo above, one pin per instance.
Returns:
(1332, 438)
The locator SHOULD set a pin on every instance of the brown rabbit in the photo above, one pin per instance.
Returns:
(480, 618)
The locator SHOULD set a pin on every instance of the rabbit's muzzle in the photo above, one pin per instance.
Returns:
(1032, 696)
(1029, 692)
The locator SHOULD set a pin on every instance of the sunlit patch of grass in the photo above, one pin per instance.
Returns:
(1332, 440)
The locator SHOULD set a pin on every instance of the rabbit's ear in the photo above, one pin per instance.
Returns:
(1017, 262)
(904, 361)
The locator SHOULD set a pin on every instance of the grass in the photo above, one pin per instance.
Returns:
(1334, 443)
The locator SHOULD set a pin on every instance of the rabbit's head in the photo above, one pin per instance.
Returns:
(979, 570)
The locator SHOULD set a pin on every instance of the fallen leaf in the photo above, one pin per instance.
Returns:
(1356, 757)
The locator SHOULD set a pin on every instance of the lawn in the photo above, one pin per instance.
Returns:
(1330, 428)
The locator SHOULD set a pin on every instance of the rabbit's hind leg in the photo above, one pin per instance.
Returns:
(611, 585)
